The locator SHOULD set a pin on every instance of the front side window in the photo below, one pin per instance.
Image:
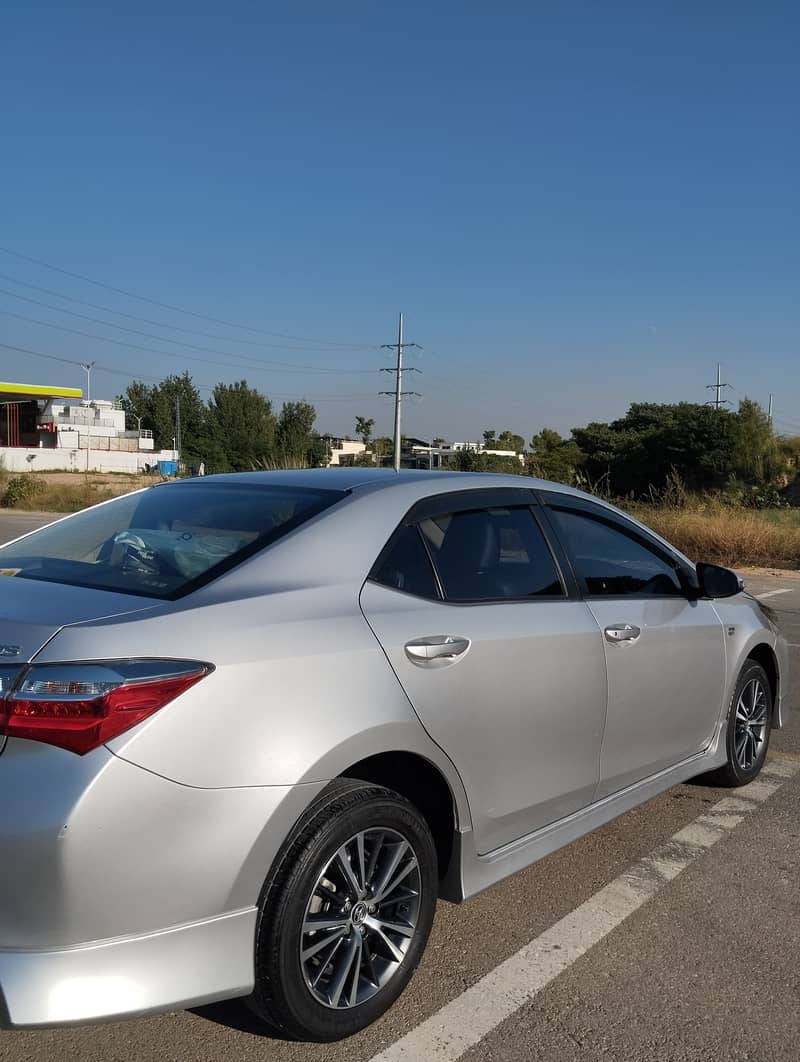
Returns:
(165, 541)
(491, 554)
(611, 563)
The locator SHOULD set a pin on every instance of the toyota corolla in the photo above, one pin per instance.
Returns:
(253, 726)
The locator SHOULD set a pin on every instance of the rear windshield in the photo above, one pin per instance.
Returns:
(166, 541)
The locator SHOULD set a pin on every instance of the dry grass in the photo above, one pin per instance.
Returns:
(62, 498)
(730, 536)
(67, 492)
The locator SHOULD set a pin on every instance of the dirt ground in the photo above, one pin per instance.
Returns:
(115, 482)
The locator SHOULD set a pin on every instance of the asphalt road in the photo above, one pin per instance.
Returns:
(13, 524)
(707, 968)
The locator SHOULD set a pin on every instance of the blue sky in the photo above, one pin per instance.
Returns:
(577, 206)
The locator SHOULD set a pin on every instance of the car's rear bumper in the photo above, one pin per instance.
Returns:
(129, 976)
(124, 892)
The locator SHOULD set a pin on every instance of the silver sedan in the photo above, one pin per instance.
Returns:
(253, 726)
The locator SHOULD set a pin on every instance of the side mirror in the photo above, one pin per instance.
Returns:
(718, 582)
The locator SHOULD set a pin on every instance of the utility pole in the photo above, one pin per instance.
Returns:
(178, 426)
(717, 402)
(398, 393)
(769, 411)
(87, 366)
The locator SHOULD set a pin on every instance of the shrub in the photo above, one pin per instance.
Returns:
(21, 489)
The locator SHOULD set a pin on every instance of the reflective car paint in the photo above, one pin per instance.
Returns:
(135, 871)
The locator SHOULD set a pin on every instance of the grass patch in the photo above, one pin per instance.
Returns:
(734, 537)
(35, 494)
(66, 499)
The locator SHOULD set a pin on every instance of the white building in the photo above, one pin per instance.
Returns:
(441, 456)
(347, 448)
(41, 430)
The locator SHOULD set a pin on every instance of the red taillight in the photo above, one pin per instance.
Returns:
(48, 704)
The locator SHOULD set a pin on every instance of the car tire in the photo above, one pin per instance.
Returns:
(749, 727)
(362, 864)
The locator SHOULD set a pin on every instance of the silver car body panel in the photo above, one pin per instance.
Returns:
(470, 873)
(102, 848)
(655, 717)
(32, 612)
(132, 874)
(532, 683)
(745, 629)
(169, 970)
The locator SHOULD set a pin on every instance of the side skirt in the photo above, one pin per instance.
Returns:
(470, 873)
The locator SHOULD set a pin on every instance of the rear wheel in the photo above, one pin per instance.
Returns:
(346, 916)
(749, 726)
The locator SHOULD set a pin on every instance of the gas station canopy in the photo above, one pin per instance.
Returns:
(13, 392)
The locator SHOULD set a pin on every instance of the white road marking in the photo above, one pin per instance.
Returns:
(774, 593)
(464, 1022)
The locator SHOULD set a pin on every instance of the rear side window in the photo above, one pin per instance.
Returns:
(407, 566)
(165, 541)
(490, 555)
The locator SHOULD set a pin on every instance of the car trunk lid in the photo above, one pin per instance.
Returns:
(32, 612)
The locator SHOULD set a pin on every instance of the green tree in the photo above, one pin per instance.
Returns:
(507, 440)
(471, 461)
(508, 466)
(382, 448)
(757, 457)
(364, 426)
(294, 432)
(241, 428)
(554, 458)
(157, 406)
(789, 453)
(464, 461)
(652, 441)
(490, 440)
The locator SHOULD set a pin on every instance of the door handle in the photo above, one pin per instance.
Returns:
(622, 632)
(437, 650)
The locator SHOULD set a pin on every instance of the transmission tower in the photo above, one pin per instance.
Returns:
(398, 392)
(717, 401)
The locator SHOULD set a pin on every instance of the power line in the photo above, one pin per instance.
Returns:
(150, 335)
(399, 393)
(38, 354)
(144, 378)
(80, 364)
(163, 324)
(247, 363)
(787, 424)
(168, 306)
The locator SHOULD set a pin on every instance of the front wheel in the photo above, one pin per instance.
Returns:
(346, 916)
(749, 726)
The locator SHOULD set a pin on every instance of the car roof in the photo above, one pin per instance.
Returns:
(353, 479)
(375, 501)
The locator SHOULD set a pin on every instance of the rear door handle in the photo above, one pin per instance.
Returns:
(437, 650)
(622, 632)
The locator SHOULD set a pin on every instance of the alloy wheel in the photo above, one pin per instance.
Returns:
(750, 733)
(361, 918)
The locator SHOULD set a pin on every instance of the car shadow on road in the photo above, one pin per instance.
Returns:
(233, 1014)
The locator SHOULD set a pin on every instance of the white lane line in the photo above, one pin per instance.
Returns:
(465, 1021)
(774, 593)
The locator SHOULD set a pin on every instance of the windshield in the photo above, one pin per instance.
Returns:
(165, 541)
